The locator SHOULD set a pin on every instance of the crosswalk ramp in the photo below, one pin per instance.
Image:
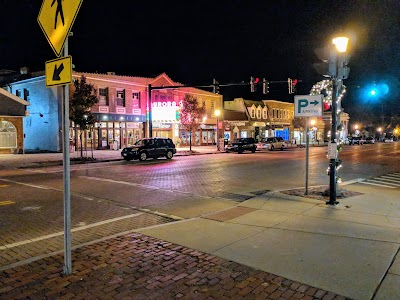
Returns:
(390, 181)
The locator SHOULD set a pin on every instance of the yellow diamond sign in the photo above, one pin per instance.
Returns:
(56, 18)
(59, 71)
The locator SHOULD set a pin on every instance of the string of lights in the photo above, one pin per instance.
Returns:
(325, 87)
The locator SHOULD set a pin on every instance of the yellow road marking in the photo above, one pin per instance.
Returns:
(4, 185)
(6, 203)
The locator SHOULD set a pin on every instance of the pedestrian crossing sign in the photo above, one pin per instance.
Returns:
(56, 18)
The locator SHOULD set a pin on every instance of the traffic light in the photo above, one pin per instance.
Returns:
(215, 86)
(292, 85)
(375, 91)
(253, 84)
(265, 86)
(328, 66)
(333, 64)
(343, 69)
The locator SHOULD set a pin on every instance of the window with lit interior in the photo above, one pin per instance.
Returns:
(8, 135)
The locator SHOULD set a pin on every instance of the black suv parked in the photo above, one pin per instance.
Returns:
(242, 144)
(150, 147)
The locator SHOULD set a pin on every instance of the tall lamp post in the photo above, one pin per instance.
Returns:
(341, 46)
(217, 114)
(356, 131)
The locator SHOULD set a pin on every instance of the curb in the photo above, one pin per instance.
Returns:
(40, 164)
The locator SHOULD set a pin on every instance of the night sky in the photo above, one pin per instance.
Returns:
(196, 41)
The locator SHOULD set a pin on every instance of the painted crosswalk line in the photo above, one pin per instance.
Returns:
(390, 181)
(2, 203)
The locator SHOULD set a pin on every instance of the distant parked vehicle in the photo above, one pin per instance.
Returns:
(370, 140)
(388, 140)
(356, 140)
(242, 144)
(271, 143)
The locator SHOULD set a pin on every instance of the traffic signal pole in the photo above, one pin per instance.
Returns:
(149, 111)
(215, 86)
(149, 127)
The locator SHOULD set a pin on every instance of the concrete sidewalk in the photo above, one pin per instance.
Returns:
(273, 246)
(351, 249)
(9, 161)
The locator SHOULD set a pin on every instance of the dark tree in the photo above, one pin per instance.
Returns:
(82, 99)
(191, 115)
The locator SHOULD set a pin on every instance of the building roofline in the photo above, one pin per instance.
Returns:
(13, 97)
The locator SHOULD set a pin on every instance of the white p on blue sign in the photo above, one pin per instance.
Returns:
(308, 105)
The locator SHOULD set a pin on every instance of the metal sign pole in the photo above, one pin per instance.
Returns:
(307, 154)
(67, 192)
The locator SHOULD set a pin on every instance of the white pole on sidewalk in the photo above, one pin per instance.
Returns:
(66, 173)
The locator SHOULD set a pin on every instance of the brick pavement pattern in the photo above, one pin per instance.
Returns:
(136, 266)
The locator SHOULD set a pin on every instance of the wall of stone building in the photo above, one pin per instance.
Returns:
(42, 125)
(18, 123)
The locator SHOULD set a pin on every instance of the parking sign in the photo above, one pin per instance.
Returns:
(308, 105)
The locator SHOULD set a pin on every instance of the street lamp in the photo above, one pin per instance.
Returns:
(338, 74)
(380, 132)
(217, 113)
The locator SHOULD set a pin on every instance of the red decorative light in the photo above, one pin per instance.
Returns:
(256, 80)
(326, 105)
(294, 82)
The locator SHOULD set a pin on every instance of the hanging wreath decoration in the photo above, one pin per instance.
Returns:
(324, 87)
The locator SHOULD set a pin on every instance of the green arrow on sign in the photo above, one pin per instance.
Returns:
(315, 102)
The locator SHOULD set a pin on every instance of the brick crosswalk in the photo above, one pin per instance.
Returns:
(135, 266)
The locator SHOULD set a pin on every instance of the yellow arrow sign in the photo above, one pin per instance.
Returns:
(56, 18)
(59, 71)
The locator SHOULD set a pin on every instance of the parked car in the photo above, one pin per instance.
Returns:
(370, 140)
(356, 140)
(150, 148)
(271, 143)
(242, 144)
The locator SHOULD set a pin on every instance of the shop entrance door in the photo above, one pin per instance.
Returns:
(207, 137)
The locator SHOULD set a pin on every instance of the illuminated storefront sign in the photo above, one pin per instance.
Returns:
(166, 104)
(166, 111)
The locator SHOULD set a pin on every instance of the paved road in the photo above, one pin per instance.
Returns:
(163, 190)
(110, 198)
